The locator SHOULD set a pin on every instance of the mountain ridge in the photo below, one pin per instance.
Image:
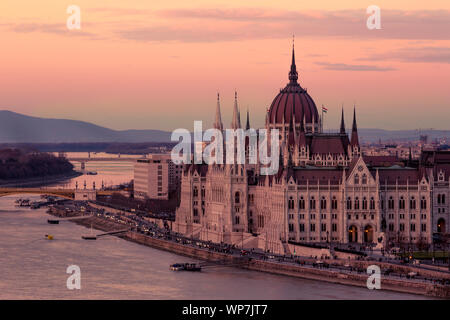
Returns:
(20, 128)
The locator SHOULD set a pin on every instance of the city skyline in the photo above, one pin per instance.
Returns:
(127, 61)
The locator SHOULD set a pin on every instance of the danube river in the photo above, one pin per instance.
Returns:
(111, 268)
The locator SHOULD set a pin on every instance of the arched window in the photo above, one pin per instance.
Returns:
(195, 192)
(356, 203)
(237, 197)
(323, 203)
(412, 203)
(301, 203)
(391, 203)
(356, 179)
(334, 203)
(443, 199)
(349, 203)
(291, 203)
(372, 203)
(203, 192)
(423, 203)
(364, 179)
(401, 203)
(439, 198)
(364, 203)
(236, 220)
(312, 203)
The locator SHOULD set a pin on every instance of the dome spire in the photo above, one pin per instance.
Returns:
(293, 75)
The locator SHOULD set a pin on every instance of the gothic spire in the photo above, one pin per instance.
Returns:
(342, 121)
(354, 140)
(218, 122)
(236, 123)
(247, 125)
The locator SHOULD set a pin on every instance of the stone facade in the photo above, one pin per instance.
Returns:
(325, 191)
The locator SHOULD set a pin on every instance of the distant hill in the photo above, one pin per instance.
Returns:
(19, 128)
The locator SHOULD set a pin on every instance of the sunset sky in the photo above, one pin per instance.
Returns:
(140, 64)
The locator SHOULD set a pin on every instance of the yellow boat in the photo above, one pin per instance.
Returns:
(48, 237)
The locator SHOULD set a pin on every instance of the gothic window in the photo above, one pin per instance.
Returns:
(291, 203)
(323, 203)
(364, 179)
(301, 203)
(401, 203)
(391, 203)
(195, 192)
(443, 198)
(203, 192)
(334, 203)
(412, 203)
(312, 203)
(372, 203)
(356, 179)
(237, 197)
(439, 199)
(291, 227)
(236, 220)
(349, 203)
(195, 212)
(356, 203)
(364, 203)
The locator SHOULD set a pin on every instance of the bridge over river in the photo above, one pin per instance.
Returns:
(57, 192)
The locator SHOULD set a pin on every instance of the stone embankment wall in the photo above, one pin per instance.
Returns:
(299, 271)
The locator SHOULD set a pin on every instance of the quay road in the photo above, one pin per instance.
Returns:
(142, 226)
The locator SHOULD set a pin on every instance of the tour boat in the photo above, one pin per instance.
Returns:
(89, 237)
(52, 221)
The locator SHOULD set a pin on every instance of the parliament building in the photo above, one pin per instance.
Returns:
(325, 191)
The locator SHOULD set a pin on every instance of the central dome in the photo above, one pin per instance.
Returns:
(293, 99)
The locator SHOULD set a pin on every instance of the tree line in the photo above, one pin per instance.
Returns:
(22, 164)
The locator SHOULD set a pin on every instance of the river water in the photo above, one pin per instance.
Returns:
(111, 268)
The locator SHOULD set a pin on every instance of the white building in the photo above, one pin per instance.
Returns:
(156, 176)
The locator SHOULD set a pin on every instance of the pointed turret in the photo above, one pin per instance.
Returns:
(342, 131)
(354, 140)
(236, 123)
(218, 122)
(247, 124)
(291, 133)
(302, 135)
